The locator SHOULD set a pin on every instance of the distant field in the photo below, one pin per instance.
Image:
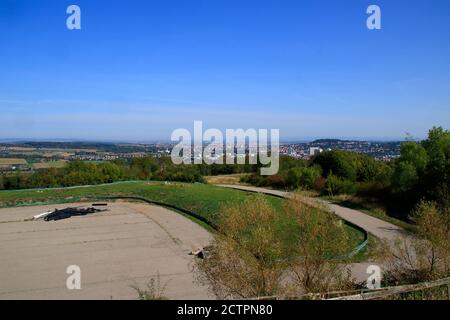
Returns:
(21, 149)
(12, 161)
(49, 164)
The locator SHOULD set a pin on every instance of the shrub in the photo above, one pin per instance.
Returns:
(154, 290)
(303, 177)
(320, 184)
(337, 186)
(243, 259)
(342, 164)
(261, 251)
(276, 181)
(371, 189)
(425, 258)
(322, 242)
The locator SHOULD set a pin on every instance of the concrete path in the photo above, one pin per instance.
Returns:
(127, 245)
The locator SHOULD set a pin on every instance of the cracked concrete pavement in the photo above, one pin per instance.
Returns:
(124, 246)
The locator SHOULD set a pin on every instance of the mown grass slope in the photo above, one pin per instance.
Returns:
(202, 199)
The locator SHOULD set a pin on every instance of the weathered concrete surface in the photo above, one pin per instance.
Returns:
(127, 245)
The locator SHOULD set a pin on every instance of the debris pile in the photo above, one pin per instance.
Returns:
(200, 253)
(59, 214)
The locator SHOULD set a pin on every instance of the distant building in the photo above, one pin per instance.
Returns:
(313, 151)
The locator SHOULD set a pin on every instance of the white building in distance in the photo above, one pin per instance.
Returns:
(315, 151)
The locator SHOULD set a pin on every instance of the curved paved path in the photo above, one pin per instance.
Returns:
(377, 227)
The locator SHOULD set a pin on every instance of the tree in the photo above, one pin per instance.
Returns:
(303, 176)
(371, 170)
(422, 171)
(425, 257)
(110, 171)
(322, 246)
(434, 227)
(340, 163)
(437, 175)
(244, 258)
(405, 177)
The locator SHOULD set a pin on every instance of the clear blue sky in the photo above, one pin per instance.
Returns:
(139, 69)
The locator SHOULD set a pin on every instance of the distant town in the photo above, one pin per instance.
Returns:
(383, 151)
(29, 156)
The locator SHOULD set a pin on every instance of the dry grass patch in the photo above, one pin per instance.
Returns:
(225, 179)
(12, 161)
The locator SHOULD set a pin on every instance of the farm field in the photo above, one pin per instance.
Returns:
(49, 164)
(12, 161)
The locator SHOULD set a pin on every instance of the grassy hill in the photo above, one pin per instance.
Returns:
(202, 199)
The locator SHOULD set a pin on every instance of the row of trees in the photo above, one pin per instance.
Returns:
(331, 172)
(423, 170)
(86, 173)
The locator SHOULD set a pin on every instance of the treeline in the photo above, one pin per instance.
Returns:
(421, 173)
(90, 173)
(99, 146)
(332, 172)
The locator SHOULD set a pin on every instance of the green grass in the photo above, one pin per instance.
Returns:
(205, 200)
(368, 253)
(202, 199)
(371, 208)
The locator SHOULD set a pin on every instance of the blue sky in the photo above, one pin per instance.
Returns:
(140, 69)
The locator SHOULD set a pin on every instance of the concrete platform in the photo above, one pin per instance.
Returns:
(124, 246)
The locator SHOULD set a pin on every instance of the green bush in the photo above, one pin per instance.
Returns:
(337, 186)
(303, 177)
(340, 163)
(423, 172)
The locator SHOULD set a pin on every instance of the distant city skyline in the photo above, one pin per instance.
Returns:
(136, 72)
